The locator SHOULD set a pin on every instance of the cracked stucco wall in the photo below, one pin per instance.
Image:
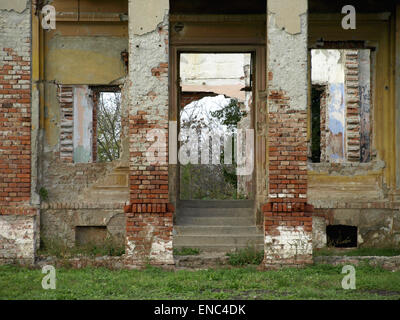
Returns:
(147, 14)
(15, 5)
(288, 14)
(149, 235)
(287, 51)
(288, 236)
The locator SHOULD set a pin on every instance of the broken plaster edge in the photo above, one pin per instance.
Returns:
(285, 19)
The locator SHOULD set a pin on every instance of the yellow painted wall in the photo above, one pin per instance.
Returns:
(379, 34)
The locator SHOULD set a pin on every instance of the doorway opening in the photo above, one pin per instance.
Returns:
(216, 139)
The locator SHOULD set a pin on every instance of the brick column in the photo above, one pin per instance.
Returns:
(18, 218)
(352, 105)
(288, 224)
(149, 215)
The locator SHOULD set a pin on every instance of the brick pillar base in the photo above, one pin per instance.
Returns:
(149, 234)
(19, 235)
(288, 234)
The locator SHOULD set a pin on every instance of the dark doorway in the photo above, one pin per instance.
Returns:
(341, 236)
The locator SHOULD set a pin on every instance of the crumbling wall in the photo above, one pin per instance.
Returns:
(18, 218)
(378, 224)
(87, 49)
(287, 220)
(149, 217)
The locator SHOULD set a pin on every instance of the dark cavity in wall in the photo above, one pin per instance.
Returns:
(90, 235)
(316, 123)
(341, 236)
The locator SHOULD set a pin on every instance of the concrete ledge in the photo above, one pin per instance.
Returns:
(387, 263)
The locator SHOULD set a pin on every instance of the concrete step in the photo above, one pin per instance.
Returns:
(216, 212)
(215, 221)
(215, 230)
(204, 260)
(197, 241)
(216, 204)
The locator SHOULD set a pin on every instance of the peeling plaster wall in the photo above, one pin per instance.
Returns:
(18, 235)
(287, 59)
(60, 225)
(288, 245)
(83, 131)
(83, 51)
(147, 14)
(149, 222)
(288, 14)
(85, 59)
(18, 215)
(15, 5)
(377, 227)
(287, 217)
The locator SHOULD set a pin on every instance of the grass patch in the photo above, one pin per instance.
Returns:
(246, 256)
(186, 252)
(312, 282)
(57, 248)
(387, 252)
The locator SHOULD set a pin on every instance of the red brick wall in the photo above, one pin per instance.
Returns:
(15, 128)
(151, 236)
(149, 216)
(19, 221)
(287, 214)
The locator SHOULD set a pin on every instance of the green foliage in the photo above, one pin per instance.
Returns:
(249, 255)
(109, 126)
(43, 193)
(311, 282)
(230, 115)
(186, 252)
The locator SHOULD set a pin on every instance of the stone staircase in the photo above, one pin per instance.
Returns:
(217, 226)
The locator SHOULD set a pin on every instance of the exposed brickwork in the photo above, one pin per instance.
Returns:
(15, 125)
(352, 105)
(149, 181)
(287, 218)
(18, 235)
(287, 137)
(18, 219)
(149, 217)
(149, 238)
(65, 96)
(288, 226)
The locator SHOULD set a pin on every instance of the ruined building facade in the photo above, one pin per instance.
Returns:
(54, 188)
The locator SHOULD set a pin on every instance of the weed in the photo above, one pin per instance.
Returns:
(249, 255)
(186, 252)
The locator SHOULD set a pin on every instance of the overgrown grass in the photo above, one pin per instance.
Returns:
(313, 282)
(186, 252)
(58, 249)
(246, 256)
(357, 252)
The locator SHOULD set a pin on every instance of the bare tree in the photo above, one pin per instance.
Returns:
(109, 126)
